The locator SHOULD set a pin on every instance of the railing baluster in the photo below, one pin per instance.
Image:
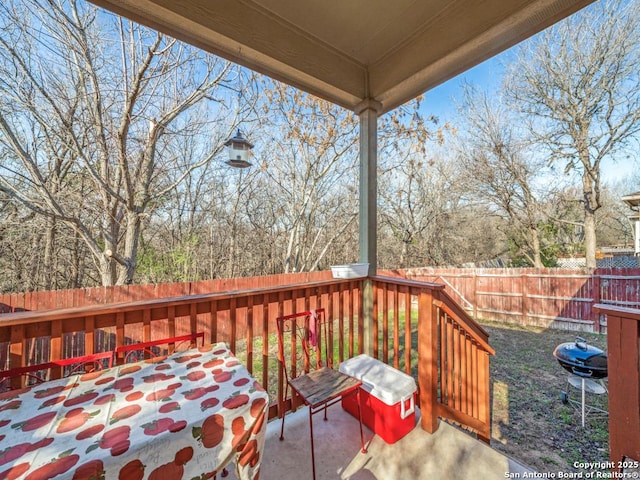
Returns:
(396, 328)
(249, 337)
(443, 356)
(213, 321)
(341, 344)
(385, 323)
(376, 341)
(408, 320)
(265, 342)
(330, 320)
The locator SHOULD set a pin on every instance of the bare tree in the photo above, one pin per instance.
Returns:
(502, 171)
(92, 115)
(579, 85)
(309, 164)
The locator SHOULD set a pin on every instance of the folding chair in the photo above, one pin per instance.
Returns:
(41, 372)
(308, 370)
(140, 351)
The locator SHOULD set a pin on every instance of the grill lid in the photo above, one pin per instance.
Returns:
(582, 359)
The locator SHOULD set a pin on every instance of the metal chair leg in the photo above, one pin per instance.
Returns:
(364, 450)
(281, 410)
(282, 427)
(313, 456)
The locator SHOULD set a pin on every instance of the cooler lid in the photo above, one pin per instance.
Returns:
(379, 379)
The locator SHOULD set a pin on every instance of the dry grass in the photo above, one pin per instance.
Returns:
(530, 422)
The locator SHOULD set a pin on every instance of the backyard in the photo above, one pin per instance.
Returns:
(529, 421)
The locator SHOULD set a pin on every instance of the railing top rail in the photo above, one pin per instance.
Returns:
(410, 283)
(18, 318)
(633, 313)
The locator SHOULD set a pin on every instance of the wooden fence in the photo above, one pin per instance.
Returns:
(556, 298)
(550, 298)
(80, 297)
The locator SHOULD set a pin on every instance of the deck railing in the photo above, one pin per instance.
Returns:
(416, 327)
(623, 365)
(449, 353)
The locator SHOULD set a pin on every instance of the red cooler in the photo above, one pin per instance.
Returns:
(387, 397)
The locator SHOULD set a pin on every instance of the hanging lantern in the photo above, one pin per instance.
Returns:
(239, 151)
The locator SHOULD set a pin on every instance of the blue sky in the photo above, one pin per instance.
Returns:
(441, 102)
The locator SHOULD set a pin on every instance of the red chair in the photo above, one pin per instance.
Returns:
(305, 355)
(140, 351)
(41, 372)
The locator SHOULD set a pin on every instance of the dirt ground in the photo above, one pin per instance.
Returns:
(531, 424)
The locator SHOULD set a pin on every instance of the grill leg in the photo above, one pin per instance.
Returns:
(583, 401)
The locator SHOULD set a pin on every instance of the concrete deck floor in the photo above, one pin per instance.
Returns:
(447, 454)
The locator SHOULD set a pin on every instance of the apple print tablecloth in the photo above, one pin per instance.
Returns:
(184, 416)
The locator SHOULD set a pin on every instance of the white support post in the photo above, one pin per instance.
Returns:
(368, 226)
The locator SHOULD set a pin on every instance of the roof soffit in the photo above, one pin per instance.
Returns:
(349, 50)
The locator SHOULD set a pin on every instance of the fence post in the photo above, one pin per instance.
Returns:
(475, 294)
(525, 298)
(428, 361)
(595, 289)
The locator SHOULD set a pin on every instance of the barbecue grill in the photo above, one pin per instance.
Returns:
(588, 367)
(581, 359)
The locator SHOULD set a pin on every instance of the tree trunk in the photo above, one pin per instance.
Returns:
(535, 244)
(107, 272)
(127, 265)
(590, 237)
(49, 247)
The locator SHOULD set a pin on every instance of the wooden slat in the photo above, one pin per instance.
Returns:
(120, 334)
(89, 335)
(396, 328)
(463, 372)
(281, 389)
(330, 318)
(449, 368)
(375, 333)
(385, 324)
(443, 355)
(341, 344)
(352, 335)
(360, 318)
(213, 321)
(249, 337)
(233, 314)
(265, 343)
(407, 330)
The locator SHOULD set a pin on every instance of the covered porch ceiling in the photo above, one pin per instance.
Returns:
(351, 51)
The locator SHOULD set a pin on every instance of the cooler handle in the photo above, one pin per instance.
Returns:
(404, 411)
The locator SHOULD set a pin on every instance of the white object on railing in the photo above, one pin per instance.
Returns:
(350, 270)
